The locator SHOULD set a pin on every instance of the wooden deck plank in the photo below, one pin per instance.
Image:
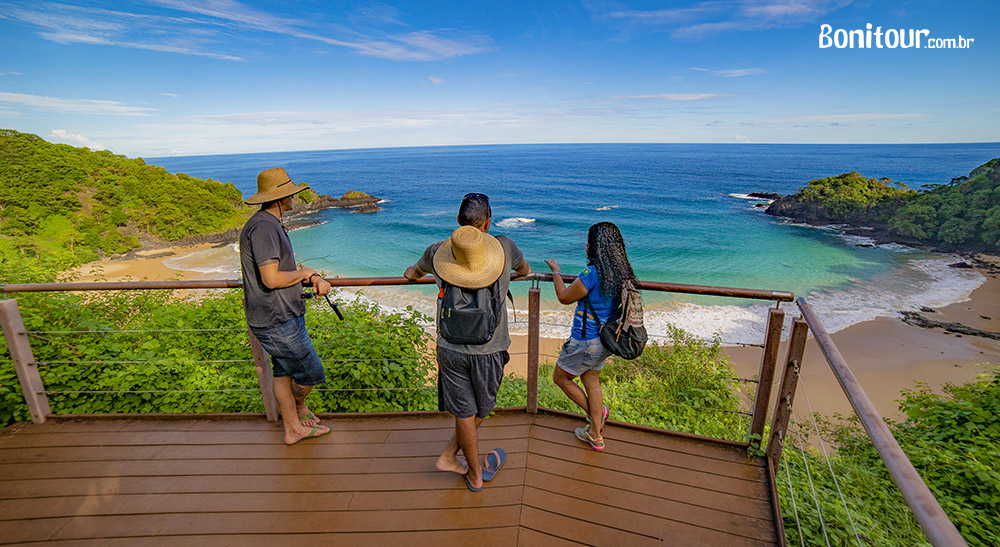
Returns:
(739, 468)
(286, 522)
(579, 531)
(130, 504)
(319, 448)
(665, 440)
(706, 517)
(647, 526)
(492, 537)
(598, 461)
(211, 481)
(725, 501)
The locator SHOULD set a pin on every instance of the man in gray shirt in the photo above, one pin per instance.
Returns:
(272, 296)
(469, 376)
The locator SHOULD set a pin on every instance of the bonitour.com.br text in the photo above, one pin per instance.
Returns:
(891, 38)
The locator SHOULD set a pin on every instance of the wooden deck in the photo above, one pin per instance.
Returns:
(372, 482)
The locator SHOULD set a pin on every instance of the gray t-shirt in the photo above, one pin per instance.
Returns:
(513, 259)
(264, 239)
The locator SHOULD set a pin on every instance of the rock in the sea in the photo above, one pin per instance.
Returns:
(963, 265)
(317, 202)
(764, 195)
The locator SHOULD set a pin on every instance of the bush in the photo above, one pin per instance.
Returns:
(953, 440)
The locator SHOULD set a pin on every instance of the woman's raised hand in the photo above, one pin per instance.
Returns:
(551, 263)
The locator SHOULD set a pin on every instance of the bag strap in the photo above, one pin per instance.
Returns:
(588, 306)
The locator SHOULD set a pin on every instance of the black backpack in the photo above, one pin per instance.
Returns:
(470, 316)
(623, 334)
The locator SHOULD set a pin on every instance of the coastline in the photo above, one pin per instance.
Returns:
(886, 354)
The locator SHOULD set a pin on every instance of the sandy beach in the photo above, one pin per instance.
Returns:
(885, 354)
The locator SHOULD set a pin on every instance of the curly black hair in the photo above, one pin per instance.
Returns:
(606, 251)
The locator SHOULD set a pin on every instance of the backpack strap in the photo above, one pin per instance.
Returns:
(587, 306)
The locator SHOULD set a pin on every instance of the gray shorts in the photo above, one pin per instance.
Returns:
(468, 384)
(579, 356)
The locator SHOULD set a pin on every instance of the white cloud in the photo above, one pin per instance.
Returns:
(171, 95)
(211, 31)
(830, 119)
(732, 72)
(10, 74)
(435, 80)
(677, 96)
(84, 106)
(63, 136)
(722, 15)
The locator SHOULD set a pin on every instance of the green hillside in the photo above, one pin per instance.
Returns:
(61, 206)
(963, 215)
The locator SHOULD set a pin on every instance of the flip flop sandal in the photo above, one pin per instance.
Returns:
(312, 435)
(494, 461)
(469, 484)
(309, 416)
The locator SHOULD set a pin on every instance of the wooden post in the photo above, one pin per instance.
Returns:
(264, 378)
(786, 395)
(24, 361)
(772, 341)
(534, 300)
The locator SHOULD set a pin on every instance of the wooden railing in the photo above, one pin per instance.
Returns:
(938, 528)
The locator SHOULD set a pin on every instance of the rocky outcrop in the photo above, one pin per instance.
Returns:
(914, 318)
(317, 202)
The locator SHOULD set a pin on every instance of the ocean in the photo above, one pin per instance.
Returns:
(683, 210)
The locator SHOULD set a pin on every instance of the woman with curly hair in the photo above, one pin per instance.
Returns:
(583, 354)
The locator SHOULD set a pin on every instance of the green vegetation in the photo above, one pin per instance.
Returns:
(952, 440)
(963, 215)
(61, 206)
(202, 344)
(851, 196)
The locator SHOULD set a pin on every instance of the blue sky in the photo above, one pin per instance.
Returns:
(188, 77)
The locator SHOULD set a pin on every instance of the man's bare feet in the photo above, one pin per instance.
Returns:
(301, 434)
(453, 465)
(306, 417)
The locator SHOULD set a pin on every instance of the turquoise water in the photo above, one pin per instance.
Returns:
(675, 204)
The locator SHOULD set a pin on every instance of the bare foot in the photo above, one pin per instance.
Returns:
(455, 465)
(294, 436)
(306, 417)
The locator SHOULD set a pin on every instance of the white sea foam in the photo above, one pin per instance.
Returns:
(607, 208)
(748, 196)
(216, 263)
(515, 222)
(303, 227)
(857, 240)
(438, 213)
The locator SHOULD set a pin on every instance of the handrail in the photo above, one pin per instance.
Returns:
(779, 296)
(938, 528)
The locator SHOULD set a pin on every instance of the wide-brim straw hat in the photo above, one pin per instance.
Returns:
(470, 258)
(274, 184)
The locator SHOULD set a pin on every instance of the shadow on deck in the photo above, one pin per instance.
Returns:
(201, 481)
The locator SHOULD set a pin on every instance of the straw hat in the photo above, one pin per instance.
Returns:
(274, 184)
(470, 258)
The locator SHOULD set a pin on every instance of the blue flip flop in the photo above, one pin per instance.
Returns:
(494, 461)
(469, 484)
